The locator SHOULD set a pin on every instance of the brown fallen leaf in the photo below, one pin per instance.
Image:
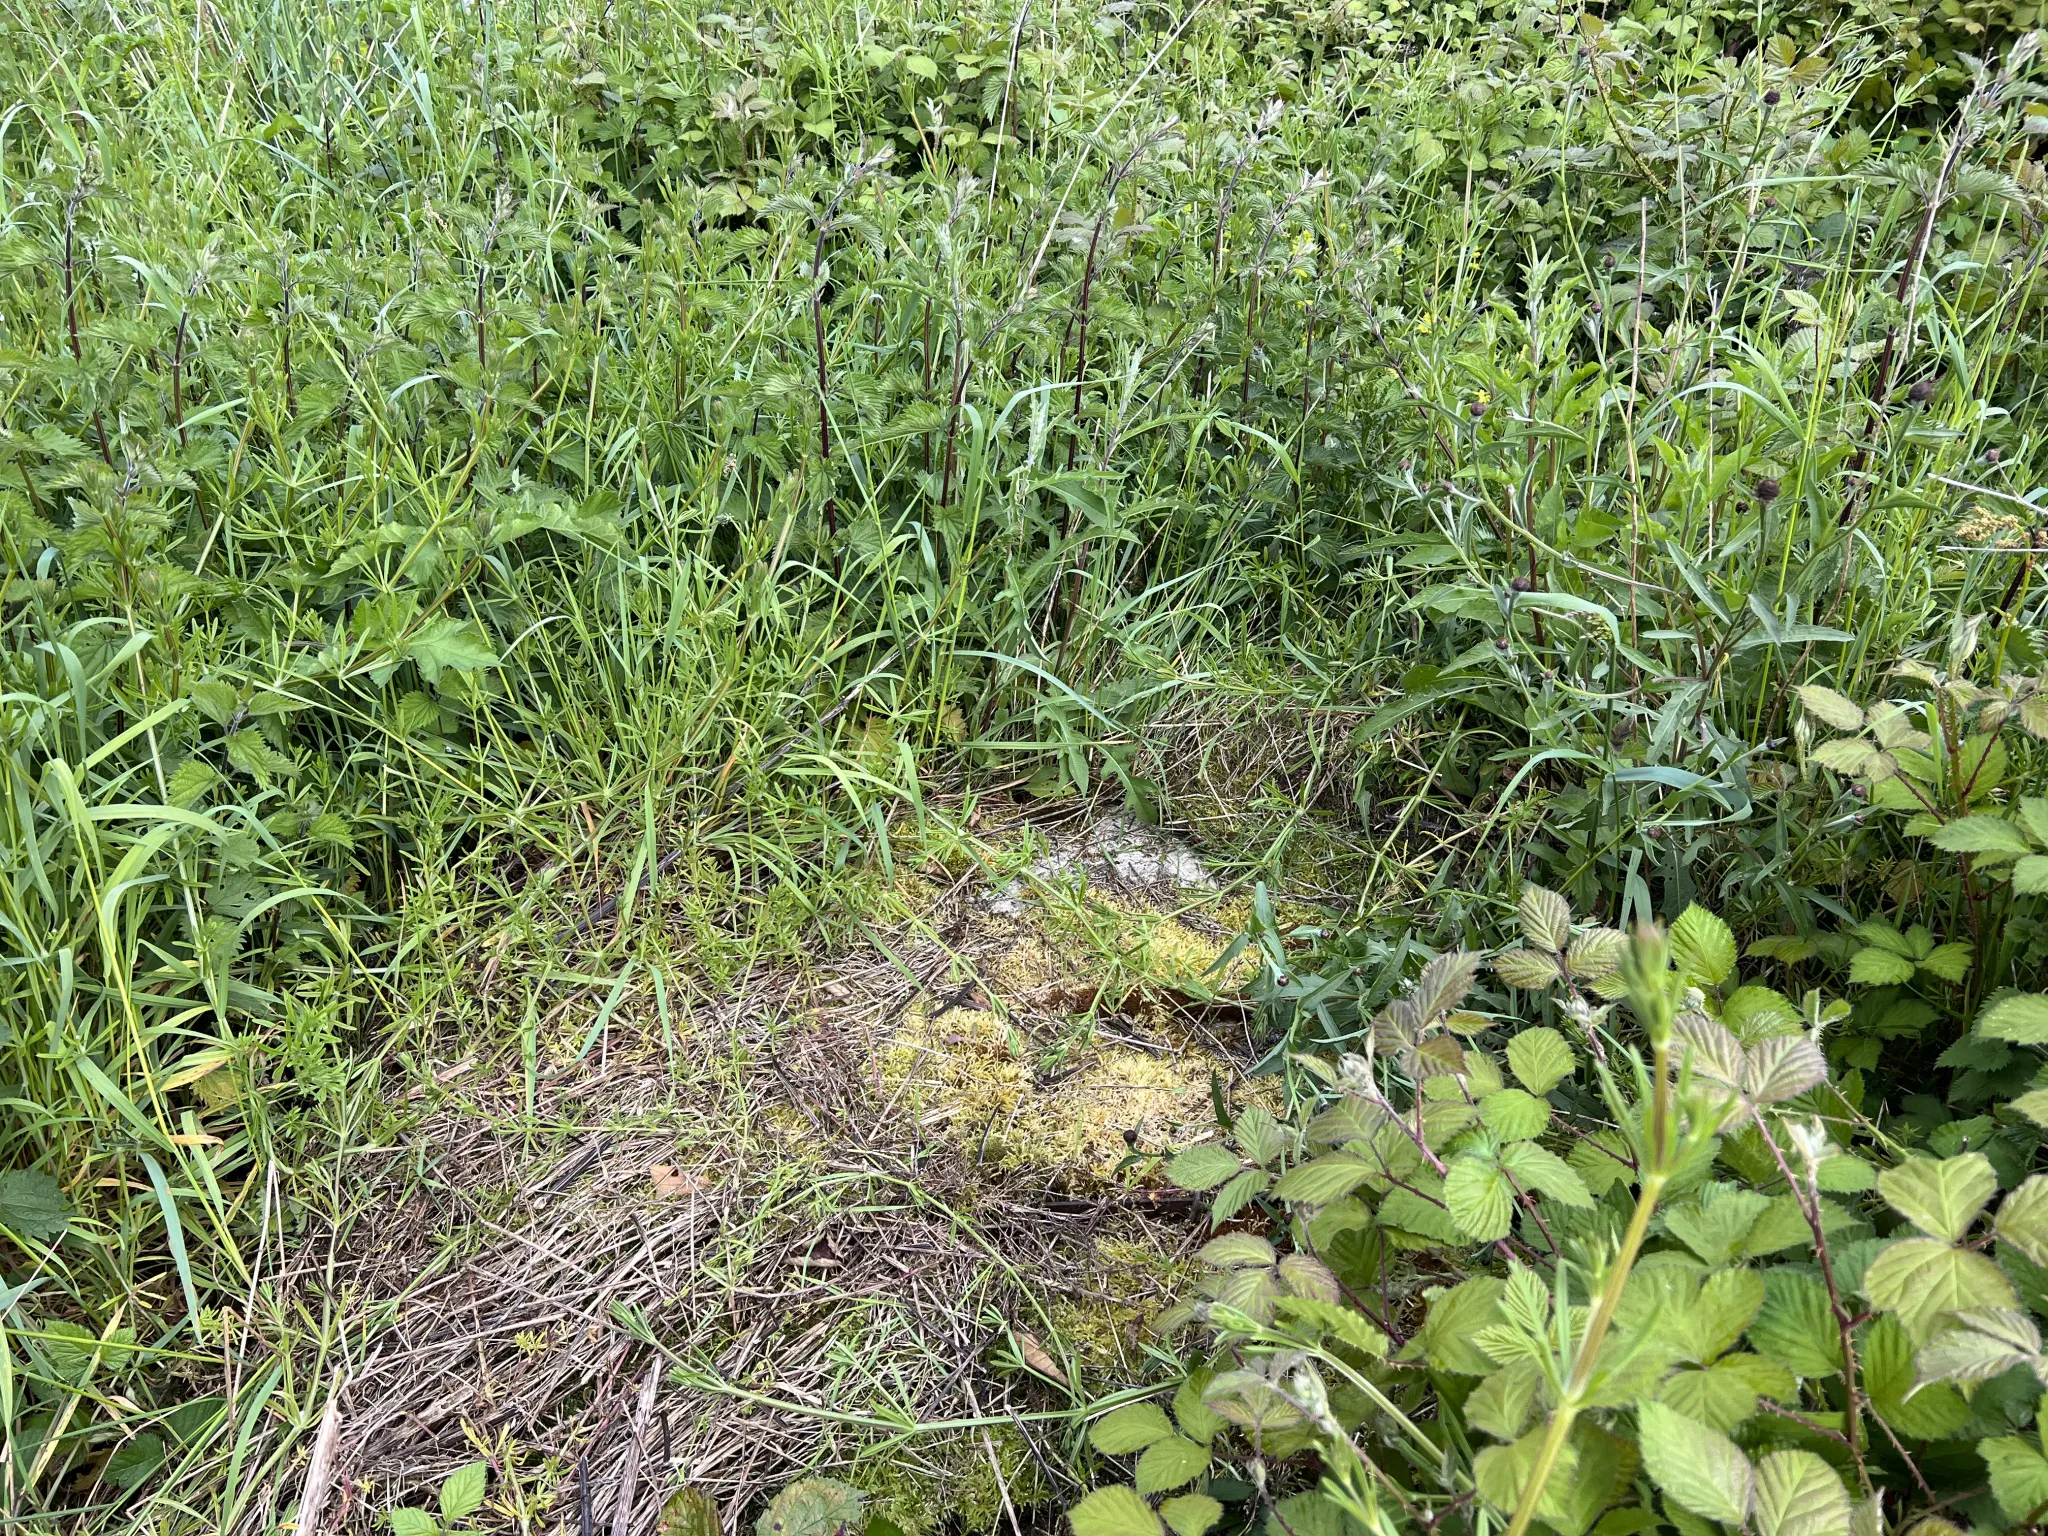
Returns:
(670, 1181)
(1035, 1356)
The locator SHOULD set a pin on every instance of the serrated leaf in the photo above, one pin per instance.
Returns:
(32, 1205)
(2030, 875)
(1846, 754)
(1702, 946)
(1197, 1420)
(1829, 707)
(1191, 1514)
(1700, 1469)
(412, 1522)
(2019, 1474)
(1528, 970)
(1596, 953)
(1540, 1059)
(1204, 1167)
(1986, 1342)
(1885, 1355)
(1480, 1199)
(1879, 968)
(1796, 1327)
(1718, 1399)
(1129, 1428)
(813, 1506)
(1540, 1169)
(1781, 1068)
(1951, 962)
(1238, 1250)
(1258, 1134)
(2034, 1106)
(1940, 1196)
(1335, 1320)
(1454, 1317)
(1922, 1279)
(1992, 835)
(2022, 1219)
(1323, 1179)
(1236, 1195)
(1798, 1494)
(2020, 1017)
(1116, 1511)
(1715, 1229)
(1444, 983)
(449, 645)
(1546, 918)
(1170, 1463)
(1513, 1115)
(463, 1494)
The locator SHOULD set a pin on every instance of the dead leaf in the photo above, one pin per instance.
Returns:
(1035, 1356)
(670, 1181)
(838, 991)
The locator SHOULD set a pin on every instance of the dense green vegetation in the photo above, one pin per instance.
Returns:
(509, 509)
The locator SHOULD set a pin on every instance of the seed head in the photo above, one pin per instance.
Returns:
(1921, 392)
(1520, 584)
(1992, 455)
(1767, 490)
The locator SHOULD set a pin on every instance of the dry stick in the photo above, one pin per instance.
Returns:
(320, 1469)
(629, 1476)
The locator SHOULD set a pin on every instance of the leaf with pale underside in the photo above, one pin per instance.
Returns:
(1940, 1196)
(1546, 918)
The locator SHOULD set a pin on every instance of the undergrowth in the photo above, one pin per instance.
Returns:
(512, 513)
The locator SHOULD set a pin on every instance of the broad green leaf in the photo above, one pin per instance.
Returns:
(1546, 918)
(136, 1461)
(2019, 1474)
(1596, 953)
(1192, 1514)
(1236, 1195)
(814, 1506)
(1728, 1302)
(412, 1522)
(1170, 1463)
(2022, 1219)
(1829, 707)
(1454, 1316)
(1987, 1342)
(2034, 1105)
(1323, 1179)
(1196, 1419)
(1238, 1250)
(1204, 1167)
(1754, 1013)
(1922, 1279)
(1879, 968)
(2030, 875)
(1992, 835)
(463, 1494)
(1514, 1115)
(1704, 1471)
(1897, 1391)
(1796, 1327)
(1798, 1494)
(1501, 1404)
(1480, 1198)
(1115, 1511)
(449, 645)
(1129, 1428)
(1714, 1228)
(1540, 1169)
(2021, 1017)
(1528, 970)
(1951, 962)
(32, 1205)
(1336, 1321)
(1540, 1059)
(1847, 754)
(1702, 946)
(1258, 1133)
(1940, 1197)
(1718, 1399)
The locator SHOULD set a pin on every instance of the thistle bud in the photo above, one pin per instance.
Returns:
(1767, 490)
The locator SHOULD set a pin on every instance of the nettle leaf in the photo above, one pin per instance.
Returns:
(1540, 1059)
(1115, 1511)
(32, 1205)
(1701, 1470)
(1480, 1198)
(1129, 1428)
(1798, 1494)
(1922, 1279)
(2020, 1017)
(1941, 1197)
(1829, 707)
(1529, 970)
(1546, 918)
(1204, 1167)
(2022, 1218)
(1702, 946)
